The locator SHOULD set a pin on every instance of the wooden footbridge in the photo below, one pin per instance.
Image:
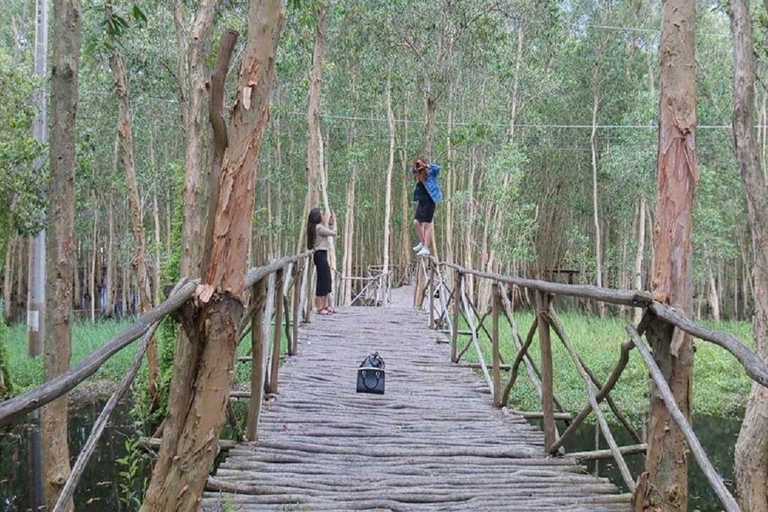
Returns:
(441, 437)
(433, 441)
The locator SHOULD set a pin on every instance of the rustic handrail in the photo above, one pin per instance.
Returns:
(597, 390)
(726, 498)
(258, 273)
(62, 384)
(632, 298)
(101, 422)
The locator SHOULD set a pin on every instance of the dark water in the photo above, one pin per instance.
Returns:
(717, 436)
(98, 489)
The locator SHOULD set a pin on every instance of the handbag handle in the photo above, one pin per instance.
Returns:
(365, 380)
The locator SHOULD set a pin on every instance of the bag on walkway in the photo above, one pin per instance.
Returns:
(370, 375)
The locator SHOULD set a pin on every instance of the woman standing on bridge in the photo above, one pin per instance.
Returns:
(318, 239)
(427, 193)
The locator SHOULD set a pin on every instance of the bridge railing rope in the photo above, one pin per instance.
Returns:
(454, 303)
(144, 327)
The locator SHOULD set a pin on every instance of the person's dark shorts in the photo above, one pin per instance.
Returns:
(323, 287)
(425, 211)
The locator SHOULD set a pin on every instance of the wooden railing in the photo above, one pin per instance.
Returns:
(269, 299)
(372, 289)
(449, 303)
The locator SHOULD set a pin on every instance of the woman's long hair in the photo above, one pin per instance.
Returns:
(315, 216)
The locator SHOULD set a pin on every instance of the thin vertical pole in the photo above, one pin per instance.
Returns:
(293, 345)
(257, 361)
(36, 281)
(495, 342)
(547, 391)
(276, 332)
(431, 294)
(456, 310)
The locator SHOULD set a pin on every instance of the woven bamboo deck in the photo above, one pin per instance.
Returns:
(434, 441)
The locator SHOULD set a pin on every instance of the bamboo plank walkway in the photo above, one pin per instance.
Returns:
(434, 441)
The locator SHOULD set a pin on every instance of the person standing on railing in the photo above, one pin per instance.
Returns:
(426, 192)
(318, 238)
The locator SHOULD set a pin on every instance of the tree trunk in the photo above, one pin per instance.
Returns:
(109, 307)
(639, 257)
(314, 137)
(185, 461)
(390, 169)
(77, 300)
(713, 298)
(158, 251)
(125, 133)
(10, 248)
(664, 485)
(60, 238)
(94, 257)
(751, 457)
(449, 241)
(193, 52)
(429, 125)
(595, 205)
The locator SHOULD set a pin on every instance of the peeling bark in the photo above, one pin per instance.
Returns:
(751, 456)
(186, 459)
(664, 485)
(65, 64)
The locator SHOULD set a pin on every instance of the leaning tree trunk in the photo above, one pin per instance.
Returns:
(752, 446)
(125, 134)
(61, 226)
(184, 462)
(314, 138)
(193, 101)
(664, 484)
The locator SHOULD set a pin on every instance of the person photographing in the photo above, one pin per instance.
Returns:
(318, 238)
(426, 193)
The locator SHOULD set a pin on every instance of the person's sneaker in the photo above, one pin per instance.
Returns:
(419, 247)
(423, 252)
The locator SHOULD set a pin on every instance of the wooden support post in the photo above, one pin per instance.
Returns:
(456, 312)
(547, 391)
(276, 334)
(495, 342)
(293, 344)
(259, 295)
(431, 294)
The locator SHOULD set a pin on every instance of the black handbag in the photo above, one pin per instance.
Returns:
(370, 375)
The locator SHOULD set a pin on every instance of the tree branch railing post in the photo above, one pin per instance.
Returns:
(276, 334)
(726, 498)
(457, 290)
(431, 293)
(495, 343)
(547, 391)
(293, 343)
(259, 295)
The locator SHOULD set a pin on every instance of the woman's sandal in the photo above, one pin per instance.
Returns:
(329, 310)
(323, 312)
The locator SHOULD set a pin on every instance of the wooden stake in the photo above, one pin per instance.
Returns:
(495, 342)
(276, 334)
(547, 391)
(259, 295)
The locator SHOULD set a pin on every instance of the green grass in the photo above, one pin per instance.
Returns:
(720, 385)
(86, 337)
